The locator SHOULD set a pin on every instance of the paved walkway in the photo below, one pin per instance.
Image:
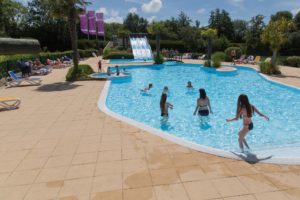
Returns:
(59, 146)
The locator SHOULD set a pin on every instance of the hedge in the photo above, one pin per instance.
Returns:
(83, 73)
(11, 62)
(118, 55)
(169, 44)
(238, 53)
(91, 44)
(293, 61)
(18, 46)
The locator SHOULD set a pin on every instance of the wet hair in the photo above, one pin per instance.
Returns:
(150, 85)
(202, 93)
(163, 100)
(243, 102)
(189, 83)
(166, 88)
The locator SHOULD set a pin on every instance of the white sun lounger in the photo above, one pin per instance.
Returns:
(9, 102)
(16, 81)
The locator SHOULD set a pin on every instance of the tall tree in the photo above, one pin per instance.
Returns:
(221, 21)
(209, 34)
(193, 39)
(275, 34)
(297, 20)
(255, 28)
(69, 9)
(282, 14)
(135, 24)
(239, 33)
(157, 28)
(124, 34)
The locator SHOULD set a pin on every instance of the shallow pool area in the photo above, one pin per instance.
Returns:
(122, 61)
(280, 137)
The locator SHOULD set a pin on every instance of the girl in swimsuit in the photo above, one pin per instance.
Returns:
(245, 110)
(203, 104)
(164, 105)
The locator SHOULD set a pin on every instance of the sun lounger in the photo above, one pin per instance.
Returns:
(255, 61)
(240, 60)
(202, 57)
(268, 60)
(9, 102)
(16, 81)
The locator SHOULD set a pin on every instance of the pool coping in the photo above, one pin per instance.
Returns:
(202, 148)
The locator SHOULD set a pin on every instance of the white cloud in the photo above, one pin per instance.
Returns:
(237, 3)
(201, 11)
(102, 10)
(134, 1)
(295, 11)
(151, 19)
(133, 10)
(117, 19)
(152, 6)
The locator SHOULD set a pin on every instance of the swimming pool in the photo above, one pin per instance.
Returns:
(279, 137)
(119, 61)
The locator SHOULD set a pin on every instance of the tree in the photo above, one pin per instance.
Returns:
(135, 24)
(239, 30)
(282, 14)
(297, 20)
(193, 39)
(69, 9)
(209, 34)
(275, 34)
(221, 21)
(197, 23)
(255, 28)
(157, 28)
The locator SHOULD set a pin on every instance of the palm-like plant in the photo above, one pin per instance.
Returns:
(275, 34)
(209, 34)
(157, 28)
(68, 9)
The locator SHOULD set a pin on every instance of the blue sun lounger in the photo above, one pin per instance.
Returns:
(16, 81)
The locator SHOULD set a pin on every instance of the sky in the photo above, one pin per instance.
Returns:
(116, 10)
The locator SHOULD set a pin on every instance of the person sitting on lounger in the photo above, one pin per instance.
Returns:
(146, 89)
(189, 85)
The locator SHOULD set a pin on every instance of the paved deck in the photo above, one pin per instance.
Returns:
(59, 146)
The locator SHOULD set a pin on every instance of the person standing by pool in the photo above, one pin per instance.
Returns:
(117, 70)
(203, 104)
(245, 110)
(100, 66)
(233, 55)
(164, 105)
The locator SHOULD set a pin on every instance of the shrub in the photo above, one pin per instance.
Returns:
(91, 44)
(158, 59)
(293, 61)
(216, 62)
(118, 55)
(169, 44)
(83, 73)
(266, 68)
(238, 52)
(219, 55)
(206, 63)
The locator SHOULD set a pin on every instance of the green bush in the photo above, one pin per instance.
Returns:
(169, 44)
(91, 44)
(266, 68)
(11, 62)
(219, 55)
(238, 53)
(206, 63)
(158, 59)
(118, 55)
(83, 73)
(293, 61)
(216, 62)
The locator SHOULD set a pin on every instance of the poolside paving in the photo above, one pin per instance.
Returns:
(59, 146)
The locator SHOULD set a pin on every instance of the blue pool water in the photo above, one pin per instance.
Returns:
(119, 61)
(279, 102)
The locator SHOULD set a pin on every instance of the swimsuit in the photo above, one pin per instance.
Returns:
(250, 126)
(203, 112)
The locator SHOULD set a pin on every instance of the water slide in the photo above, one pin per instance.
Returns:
(140, 48)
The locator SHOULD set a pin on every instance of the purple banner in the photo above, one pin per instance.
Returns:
(83, 23)
(92, 22)
(100, 24)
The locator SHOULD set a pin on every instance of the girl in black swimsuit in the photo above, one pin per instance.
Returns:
(245, 110)
(203, 104)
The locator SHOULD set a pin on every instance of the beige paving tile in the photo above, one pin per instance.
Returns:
(244, 197)
(73, 197)
(41, 191)
(136, 179)
(257, 183)
(201, 190)
(133, 153)
(241, 168)
(32, 163)
(230, 187)
(107, 183)
(85, 158)
(170, 192)
(76, 187)
(8, 166)
(113, 155)
(139, 193)
(110, 195)
(284, 180)
(268, 168)
(3, 178)
(51, 174)
(39, 153)
(134, 165)
(22, 177)
(272, 195)
(105, 168)
(81, 171)
(184, 160)
(159, 161)
(193, 173)
(292, 194)
(164, 176)
(13, 193)
(217, 170)
(59, 161)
